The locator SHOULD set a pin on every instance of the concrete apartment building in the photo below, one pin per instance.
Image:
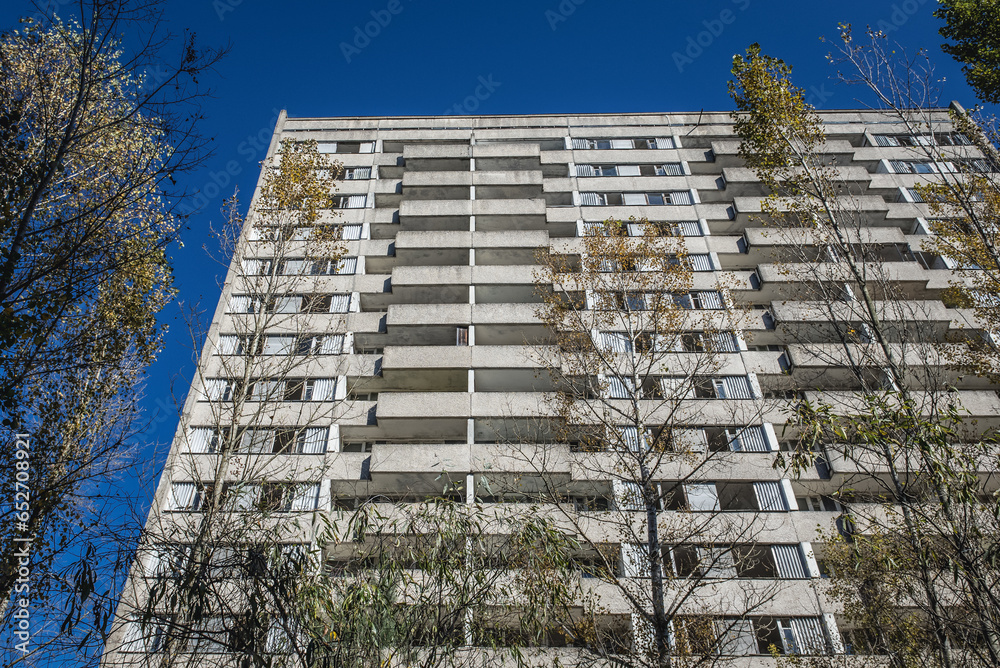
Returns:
(426, 328)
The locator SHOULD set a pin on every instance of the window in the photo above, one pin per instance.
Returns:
(978, 165)
(312, 441)
(294, 267)
(167, 559)
(287, 497)
(335, 303)
(286, 304)
(701, 496)
(292, 389)
(357, 173)
(700, 262)
(622, 342)
(716, 561)
(588, 504)
(265, 390)
(763, 496)
(596, 170)
(913, 167)
(624, 438)
(256, 441)
(282, 640)
(788, 561)
(301, 233)
(319, 389)
(210, 635)
(618, 342)
(218, 389)
(677, 197)
(623, 144)
(802, 635)
(257, 266)
(635, 560)
(326, 344)
(278, 345)
(638, 301)
(244, 304)
(702, 300)
(356, 446)
(727, 387)
(323, 267)
(346, 266)
(202, 440)
(185, 497)
(142, 637)
(706, 388)
(663, 229)
(737, 439)
(345, 147)
(941, 139)
(748, 439)
(695, 636)
(669, 169)
(351, 232)
(616, 387)
(736, 637)
(628, 496)
(349, 202)
(770, 496)
(585, 229)
(746, 636)
(722, 342)
(818, 504)
(303, 497)
(230, 345)
(754, 561)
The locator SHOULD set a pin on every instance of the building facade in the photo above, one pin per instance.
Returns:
(411, 361)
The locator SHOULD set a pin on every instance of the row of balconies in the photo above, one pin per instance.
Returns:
(727, 217)
(400, 414)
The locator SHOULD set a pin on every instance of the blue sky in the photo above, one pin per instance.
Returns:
(422, 58)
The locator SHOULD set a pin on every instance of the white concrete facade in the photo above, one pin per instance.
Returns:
(441, 309)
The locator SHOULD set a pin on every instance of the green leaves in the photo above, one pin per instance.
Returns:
(973, 28)
(778, 128)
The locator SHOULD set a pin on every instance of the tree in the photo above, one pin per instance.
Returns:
(243, 555)
(915, 536)
(973, 28)
(254, 504)
(638, 373)
(88, 147)
(441, 583)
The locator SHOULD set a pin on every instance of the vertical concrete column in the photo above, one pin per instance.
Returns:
(470, 498)
(472, 188)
